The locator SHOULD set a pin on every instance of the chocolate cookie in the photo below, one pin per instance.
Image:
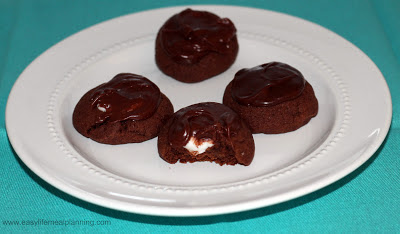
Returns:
(127, 109)
(206, 132)
(195, 45)
(272, 98)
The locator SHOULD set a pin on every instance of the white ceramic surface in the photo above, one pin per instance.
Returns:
(354, 117)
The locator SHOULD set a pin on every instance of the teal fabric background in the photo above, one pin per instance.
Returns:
(367, 200)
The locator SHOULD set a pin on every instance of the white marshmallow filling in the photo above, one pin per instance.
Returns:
(193, 147)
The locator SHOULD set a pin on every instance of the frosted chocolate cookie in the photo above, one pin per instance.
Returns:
(127, 109)
(206, 132)
(272, 98)
(195, 45)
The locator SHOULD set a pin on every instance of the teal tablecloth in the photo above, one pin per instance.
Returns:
(368, 200)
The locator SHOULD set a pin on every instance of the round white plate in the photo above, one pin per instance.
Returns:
(354, 117)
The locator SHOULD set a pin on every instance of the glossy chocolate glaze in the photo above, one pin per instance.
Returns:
(203, 121)
(190, 35)
(267, 84)
(126, 96)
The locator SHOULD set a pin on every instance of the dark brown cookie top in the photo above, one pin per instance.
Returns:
(267, 84)
(204, 122)
(126, 96)
(190, 35)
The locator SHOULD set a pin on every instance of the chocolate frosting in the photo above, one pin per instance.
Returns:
(267, 84)
(203, 121)
(190, 35)
(126, 96)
